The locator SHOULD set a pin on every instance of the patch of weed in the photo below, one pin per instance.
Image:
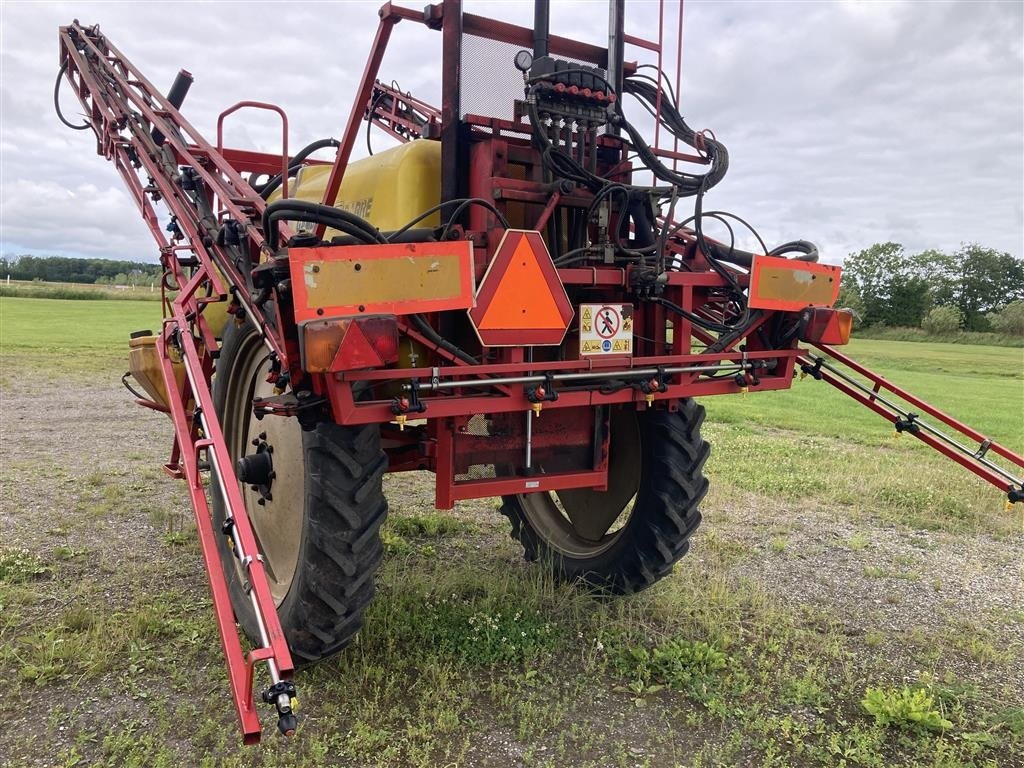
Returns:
(429, 525)
(904, 707)
(19, 565)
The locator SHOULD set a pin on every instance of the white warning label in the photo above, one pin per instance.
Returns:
(606, 329)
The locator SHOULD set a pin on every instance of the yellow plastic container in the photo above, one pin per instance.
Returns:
(144, 364)
(388, 189)
(216, 314)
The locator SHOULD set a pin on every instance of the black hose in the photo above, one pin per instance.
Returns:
(707, 325)
(463, 206)
(301, 210)
(275, 181)
(56, 101)
(418, 235)
(808, 251)
(464, 202)
(424, 327)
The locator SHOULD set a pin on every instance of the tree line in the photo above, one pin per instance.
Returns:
(972, 289)
(63, 269)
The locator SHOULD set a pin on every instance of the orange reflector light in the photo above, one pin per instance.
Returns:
(349, 343)
(828, 326)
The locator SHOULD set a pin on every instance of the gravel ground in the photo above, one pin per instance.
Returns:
(62, 444)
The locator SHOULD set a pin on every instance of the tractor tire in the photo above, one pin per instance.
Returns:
(623, 540)
(319, 532)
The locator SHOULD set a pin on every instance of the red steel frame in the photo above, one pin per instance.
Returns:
(123, 107)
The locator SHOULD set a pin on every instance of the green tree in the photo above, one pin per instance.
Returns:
(62, 269)
(942, 320)
(890, 284)
(849, 298)
(1009, 320)
(979, 281)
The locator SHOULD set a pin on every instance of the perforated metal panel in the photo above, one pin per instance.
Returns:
(490, 81)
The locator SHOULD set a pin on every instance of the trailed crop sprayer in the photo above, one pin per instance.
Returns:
(509, 298)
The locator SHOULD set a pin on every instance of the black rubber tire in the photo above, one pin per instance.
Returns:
(665, 511)
(340, 549)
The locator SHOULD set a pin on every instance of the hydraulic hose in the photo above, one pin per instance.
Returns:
(424, 327)
(56, 102)
(275, 181)
(301, 210)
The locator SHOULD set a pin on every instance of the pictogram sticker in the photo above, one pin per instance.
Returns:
(606, 329)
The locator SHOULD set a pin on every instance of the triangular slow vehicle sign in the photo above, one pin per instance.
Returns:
(521, 301)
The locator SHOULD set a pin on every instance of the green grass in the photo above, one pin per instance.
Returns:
(72, 337)
(920, 335)
(812, 443)
(981, 386)
(470, 657)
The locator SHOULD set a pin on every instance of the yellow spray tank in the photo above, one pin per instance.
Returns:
(388, 189)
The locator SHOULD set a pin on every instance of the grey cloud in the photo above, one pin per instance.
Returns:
(847, 123)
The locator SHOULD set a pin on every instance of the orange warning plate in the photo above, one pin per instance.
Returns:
(394, 279)
(521, 301)
(791, 285)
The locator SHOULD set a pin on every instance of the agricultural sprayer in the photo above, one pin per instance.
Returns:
(510, 300)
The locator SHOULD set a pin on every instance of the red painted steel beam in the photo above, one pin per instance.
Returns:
(505, 486)
(379, 412)
(387, 23)
(285, 157)
(241, 694)
(110, 117)
(563, 366)
(963, 460)
(257, 577)
(917, 402)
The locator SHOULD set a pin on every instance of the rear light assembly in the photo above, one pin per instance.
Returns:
(349, 343)
(827, 326)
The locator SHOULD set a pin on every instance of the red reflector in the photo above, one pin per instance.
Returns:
(348, 344)
(828, 326)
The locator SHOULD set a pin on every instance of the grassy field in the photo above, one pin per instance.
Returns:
(850, 600)
(38, 289)
(71, 337)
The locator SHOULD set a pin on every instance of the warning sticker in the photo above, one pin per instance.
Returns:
(606, 329)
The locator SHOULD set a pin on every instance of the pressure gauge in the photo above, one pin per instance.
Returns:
(524, 60)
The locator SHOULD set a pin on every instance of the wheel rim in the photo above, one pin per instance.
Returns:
(277, 523)
(584, 523)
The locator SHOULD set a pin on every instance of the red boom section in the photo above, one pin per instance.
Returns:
(123, 109)
(883, 397)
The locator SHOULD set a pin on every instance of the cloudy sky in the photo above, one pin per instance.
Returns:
(847, 123)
